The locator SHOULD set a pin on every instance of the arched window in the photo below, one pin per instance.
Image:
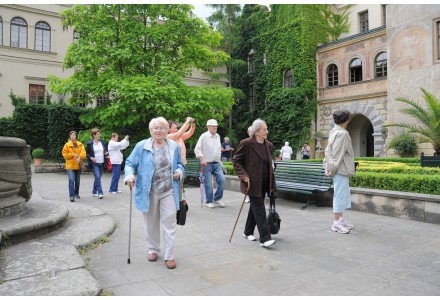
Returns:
(42, 36)
(288, 79)
(356, 70)
(381, 65)
(18, 33)
(332, 75)
(1, 31)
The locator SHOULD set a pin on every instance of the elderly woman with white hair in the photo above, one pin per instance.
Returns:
(159, 167)
(253, 164)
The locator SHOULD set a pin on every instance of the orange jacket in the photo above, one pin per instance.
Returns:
(69, 151)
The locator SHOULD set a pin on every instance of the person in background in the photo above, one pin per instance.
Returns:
(96, 150)
(305, 151)
(286, 152)
(74, 153)
(208, 149)
(339, 163)
(182, 134)
(226, 149)
(116, 158)
(159, 167)
(253, 164)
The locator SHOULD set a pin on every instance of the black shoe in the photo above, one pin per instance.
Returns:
(77, 197)
(72, 199)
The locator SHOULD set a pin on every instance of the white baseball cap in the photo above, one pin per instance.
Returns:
(212, 122)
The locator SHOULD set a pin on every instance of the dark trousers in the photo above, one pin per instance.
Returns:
(257, 217)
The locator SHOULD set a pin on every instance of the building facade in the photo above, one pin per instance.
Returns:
(33, 44)
(391, 55)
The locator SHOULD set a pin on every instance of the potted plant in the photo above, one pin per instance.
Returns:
(277, 154)
(38, 155)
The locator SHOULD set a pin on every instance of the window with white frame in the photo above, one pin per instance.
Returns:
(42, 36)
(381, 65)
(356, 70)
(101, 99)
(19, 33)
(332, 75)
(36, 93)
(75, 36)
(363, 21)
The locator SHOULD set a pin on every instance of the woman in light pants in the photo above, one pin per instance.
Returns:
(159, 167)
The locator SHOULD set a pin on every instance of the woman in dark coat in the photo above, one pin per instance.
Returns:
(253, 163)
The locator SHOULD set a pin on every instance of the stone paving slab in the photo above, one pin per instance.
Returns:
(382, 256)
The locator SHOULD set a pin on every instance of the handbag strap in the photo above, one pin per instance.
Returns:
(272, 201)
(183, 196)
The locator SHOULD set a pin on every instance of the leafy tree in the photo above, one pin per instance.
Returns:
(225, 20)
(138, 55)
(428, 126)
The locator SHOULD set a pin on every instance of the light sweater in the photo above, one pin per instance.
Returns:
(339, 155)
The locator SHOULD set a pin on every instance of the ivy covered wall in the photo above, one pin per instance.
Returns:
(284, 38)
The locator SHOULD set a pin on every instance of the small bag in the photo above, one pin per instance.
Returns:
(181, 214)
(108, 165)
(273, 218)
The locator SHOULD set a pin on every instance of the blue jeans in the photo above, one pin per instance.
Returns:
(97, 172)
(74, 179)
(216, 170)
(116, 173)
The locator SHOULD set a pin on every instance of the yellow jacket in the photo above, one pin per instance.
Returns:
(69, 151)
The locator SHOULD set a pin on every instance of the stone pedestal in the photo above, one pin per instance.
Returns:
(15, 175)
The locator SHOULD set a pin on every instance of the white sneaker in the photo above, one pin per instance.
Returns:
(119, 191)
(210, 205)
(247, 200)
(101, 196)
(114, 193)
(219, 203)
(268, 243)
(95, 195)
(346, 225)
(339, 228)
(250, 237)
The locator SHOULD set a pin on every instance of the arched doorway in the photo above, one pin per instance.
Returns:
(361, 133)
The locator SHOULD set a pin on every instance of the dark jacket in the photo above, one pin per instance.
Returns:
(91, 153)
(248, 163)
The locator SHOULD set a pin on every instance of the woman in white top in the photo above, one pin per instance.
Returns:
(116, 158)
(286, 152)
(96, 152)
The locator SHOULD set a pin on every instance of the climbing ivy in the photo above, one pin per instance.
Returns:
(288, 34)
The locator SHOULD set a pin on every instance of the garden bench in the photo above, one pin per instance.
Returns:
(192, 171)
(429, 161)
(301, 177)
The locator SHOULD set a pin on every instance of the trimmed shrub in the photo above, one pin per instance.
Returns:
(404, 144)
(38, 153)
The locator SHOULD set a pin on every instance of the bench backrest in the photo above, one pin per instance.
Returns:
(192, 168)
(298, 172)
(429, 161)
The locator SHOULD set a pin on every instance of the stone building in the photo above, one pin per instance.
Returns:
(391, 51)
(33, 44)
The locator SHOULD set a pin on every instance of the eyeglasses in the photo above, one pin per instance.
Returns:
(158, 129)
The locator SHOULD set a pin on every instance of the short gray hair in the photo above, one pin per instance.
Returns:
(250, 131)
(256, 125)
(162, 122)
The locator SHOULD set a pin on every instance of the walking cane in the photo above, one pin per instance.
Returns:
(247, 190)
(129, 226)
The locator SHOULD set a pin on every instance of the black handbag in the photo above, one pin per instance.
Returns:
(273, 218)
(181, 213)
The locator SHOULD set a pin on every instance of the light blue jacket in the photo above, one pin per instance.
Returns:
(141, 160)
